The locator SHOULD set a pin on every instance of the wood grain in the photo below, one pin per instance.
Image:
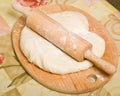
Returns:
(78, 82)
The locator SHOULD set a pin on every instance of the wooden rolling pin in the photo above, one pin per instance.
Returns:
(61, 38)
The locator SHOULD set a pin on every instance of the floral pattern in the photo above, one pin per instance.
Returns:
(112, 24)
(32, 3)
(1, 58)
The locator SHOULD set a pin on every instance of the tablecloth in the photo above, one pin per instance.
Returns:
(14, 81)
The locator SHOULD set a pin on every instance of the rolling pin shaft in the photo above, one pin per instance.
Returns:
(56, 34)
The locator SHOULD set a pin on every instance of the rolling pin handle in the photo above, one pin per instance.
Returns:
(17, 6)
(100, 63)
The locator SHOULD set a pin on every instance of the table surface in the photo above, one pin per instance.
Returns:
(14, 81)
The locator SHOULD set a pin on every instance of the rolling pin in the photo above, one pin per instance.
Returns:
(61, 38)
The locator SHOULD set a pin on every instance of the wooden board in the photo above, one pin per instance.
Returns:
(79, 82)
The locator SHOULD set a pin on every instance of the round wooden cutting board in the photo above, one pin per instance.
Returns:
(79, 82)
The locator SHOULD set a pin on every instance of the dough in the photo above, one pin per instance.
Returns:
(48, 57)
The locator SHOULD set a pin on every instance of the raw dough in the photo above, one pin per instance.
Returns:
(48, 57)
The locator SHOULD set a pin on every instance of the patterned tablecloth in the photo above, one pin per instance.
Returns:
(14, 81)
